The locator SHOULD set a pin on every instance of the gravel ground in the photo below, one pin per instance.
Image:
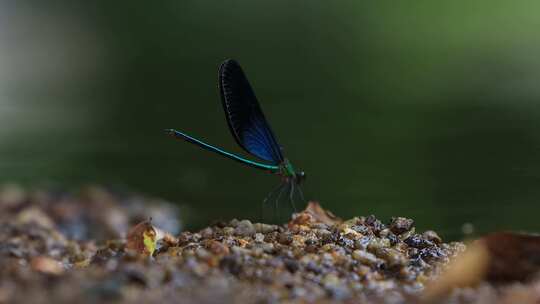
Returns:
(58, 247)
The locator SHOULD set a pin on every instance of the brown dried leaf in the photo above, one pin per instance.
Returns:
(514, 256)
(142, 239)
(315, 213)
(497, 257)
(467, 269)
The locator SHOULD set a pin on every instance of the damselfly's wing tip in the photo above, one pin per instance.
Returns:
(227, 64)
(229, 60)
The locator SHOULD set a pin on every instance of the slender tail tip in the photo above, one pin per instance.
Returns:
(169, 132)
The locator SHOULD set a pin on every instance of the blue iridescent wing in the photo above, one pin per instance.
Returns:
(244, 115)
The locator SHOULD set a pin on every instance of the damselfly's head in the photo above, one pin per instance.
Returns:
(300, 177)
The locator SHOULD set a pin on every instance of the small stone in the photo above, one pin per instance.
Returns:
(234, 223)
(311, 242)
(322, 233)
(365, 257)
(258, 237)
(291, 265)
(313, 267)
(285, 238)
(311, 249)
(170, 240)
(244, 228)
(268, 248)
(46, 265)
(431, 253)
(298, 241)
(360, 229)
(393, 257)
(231, 264)
(362, 243)
(432, 236)
(378, 243)
(228, 231)
(184, 238)
(407, 234)
(351, 234)
(196, 237)
(384, 232)
(265, 228)
(240, 251)
(35, 215)
(417, 241)
(399, 225)
(207, 233)
(393, 239)
(242, 242)
(271, 237)
(217, 248)
(335, 287)
(374, 223)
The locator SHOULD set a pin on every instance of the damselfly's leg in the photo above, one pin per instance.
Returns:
(291, 196)
(272, 192)
(301, 193)
(280, 193)
(280, 188)
(286, 186)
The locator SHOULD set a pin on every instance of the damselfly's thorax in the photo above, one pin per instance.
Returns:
(289, 174)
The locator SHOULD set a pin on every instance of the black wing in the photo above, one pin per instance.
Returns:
(244, 115)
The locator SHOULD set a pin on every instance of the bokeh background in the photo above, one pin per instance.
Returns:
(427, 110)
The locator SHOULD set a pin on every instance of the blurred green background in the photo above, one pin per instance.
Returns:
(427, 109)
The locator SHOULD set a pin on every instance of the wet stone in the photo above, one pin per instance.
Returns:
(291, 265)
(393, 239)
(265, 228)
(258, 237)
(417, 241)
(375, 224)
(399, 225)
(207, 233)
(431, 253)
(227, 231)
(366, 258)
(285, 238)
(231, 264)
(431, 235)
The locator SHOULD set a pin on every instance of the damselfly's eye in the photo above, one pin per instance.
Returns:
(301, 176)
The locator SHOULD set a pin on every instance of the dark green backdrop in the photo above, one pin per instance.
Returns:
(428, 110)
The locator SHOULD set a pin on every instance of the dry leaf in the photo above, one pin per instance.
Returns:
(321, 215)
(467, 269)
(142, 239)
(314, 213)
(497, 257)
(514, 256)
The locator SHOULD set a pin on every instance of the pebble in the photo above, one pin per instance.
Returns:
(399, 225)
(366, 258)
(259, 237)
(432, 236)
(244, 228)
